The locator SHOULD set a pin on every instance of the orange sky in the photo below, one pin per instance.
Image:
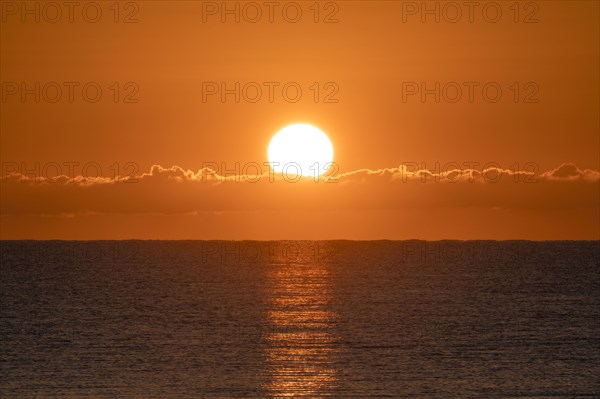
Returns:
(544, 57)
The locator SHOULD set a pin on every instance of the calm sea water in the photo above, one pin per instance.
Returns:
(190, 319)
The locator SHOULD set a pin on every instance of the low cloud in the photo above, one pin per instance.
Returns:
(174, 190)
(569, 171)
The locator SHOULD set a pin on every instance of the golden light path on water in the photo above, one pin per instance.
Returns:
(302, 343)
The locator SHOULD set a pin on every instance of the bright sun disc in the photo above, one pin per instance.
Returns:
(300, 149)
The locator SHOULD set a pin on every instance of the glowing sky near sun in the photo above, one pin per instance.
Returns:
(136, 97)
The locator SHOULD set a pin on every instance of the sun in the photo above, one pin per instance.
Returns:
(300, 149)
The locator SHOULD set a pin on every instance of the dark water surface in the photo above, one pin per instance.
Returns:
(183, 319)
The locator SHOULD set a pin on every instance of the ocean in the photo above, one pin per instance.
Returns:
(315, 319)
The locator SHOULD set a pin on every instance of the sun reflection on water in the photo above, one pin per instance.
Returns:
(302, 342)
